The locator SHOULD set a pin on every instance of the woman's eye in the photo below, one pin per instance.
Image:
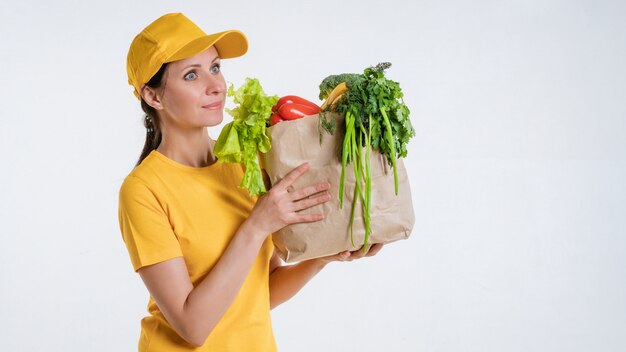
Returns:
(190, 76)
(215, 69)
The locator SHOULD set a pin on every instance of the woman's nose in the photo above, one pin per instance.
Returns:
(215, 85)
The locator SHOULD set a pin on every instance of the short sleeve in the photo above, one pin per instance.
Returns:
(145, 227)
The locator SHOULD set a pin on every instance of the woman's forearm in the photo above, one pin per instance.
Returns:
(286, 281)
(208, 301)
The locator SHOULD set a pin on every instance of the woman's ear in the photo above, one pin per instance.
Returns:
(151, 97)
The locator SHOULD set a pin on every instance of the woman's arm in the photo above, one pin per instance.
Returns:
(286, 281)
(194, 312)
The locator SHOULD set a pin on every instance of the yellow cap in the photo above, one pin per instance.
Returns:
(174, 37)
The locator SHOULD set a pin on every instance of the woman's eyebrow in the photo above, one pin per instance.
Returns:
(198, 65)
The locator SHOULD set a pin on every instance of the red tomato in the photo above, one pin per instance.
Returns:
(274, 119)
(296, 99)
(292, 111)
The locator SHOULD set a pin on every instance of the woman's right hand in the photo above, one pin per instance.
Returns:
(281, 205)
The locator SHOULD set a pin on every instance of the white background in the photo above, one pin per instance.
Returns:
(517, 171)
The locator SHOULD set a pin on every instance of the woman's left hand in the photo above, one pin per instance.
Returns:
(348, 256)
(286, 281)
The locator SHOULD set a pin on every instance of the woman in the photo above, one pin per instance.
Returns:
(201, 245)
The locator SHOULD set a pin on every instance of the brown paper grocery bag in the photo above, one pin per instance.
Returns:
(298, 141)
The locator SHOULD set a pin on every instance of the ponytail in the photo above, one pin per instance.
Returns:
(151, 120)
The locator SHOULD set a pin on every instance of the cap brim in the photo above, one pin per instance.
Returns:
(229, 44)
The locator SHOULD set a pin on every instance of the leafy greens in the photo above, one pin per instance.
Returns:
(242, 139)
(375, 118)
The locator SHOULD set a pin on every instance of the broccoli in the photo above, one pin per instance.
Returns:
(351, 79)
(330, 82)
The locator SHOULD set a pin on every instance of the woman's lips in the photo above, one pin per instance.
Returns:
(213, 106)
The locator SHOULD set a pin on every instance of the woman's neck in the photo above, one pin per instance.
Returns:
(193, 148)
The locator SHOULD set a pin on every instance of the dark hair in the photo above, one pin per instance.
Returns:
(151, 120)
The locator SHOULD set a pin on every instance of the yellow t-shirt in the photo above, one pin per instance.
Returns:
(168, 210)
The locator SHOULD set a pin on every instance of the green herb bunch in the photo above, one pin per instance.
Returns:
(375, 118)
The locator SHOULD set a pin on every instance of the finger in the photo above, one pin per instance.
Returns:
(311, 202)
(375, 249)
(299, 218)
(344, 256)
(309, 190)
(360, 253)
(292, 176)
(340, 257)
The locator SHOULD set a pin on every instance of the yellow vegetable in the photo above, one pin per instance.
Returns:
(335, 95)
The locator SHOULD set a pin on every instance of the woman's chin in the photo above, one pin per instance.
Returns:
(213, 121)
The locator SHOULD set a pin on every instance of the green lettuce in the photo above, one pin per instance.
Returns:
(242, 139)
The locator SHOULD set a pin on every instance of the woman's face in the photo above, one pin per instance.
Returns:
(194, 91)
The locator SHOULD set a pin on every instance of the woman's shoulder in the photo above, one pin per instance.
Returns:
(141, 175)
(140, 186)
(132, 185)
